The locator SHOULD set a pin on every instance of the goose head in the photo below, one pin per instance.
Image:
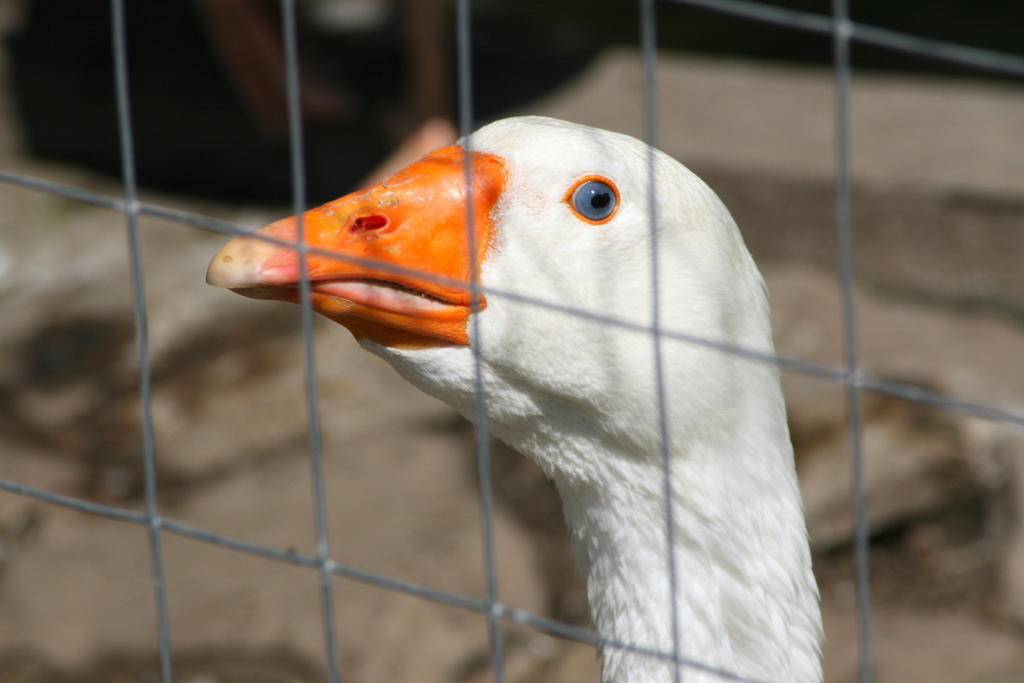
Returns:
(535, 273)
(562, 246)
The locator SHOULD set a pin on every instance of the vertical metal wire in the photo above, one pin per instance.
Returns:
(841, 32)
(648, 39)
(131, 213)
(298, 173)
(483, 453)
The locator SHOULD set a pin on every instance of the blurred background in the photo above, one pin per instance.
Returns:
(938, 209)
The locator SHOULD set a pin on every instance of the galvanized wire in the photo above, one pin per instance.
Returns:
(844, 241)
(842, 30)
(354, 573)
(463, 56)
(881, 385)
(298, 175)
(896, 41)
(648, 48)
(131, 215)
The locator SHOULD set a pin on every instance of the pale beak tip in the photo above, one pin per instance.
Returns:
(219, 272)
(238, 264)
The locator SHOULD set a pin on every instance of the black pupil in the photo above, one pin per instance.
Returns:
(595, 200)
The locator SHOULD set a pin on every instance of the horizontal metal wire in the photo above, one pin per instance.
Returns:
(850, 376)
(354, 573)
(882, 385)
(896, 41)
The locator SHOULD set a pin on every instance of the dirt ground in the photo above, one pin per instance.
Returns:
(939, 219)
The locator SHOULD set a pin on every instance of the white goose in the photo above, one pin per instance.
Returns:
(562, 216)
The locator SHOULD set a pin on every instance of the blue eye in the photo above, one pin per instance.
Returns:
(595, 200)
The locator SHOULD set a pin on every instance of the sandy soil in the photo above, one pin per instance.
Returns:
(939, 214)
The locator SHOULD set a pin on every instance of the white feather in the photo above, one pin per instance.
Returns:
(578, 395)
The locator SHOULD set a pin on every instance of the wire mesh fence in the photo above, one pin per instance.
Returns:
(849, 375)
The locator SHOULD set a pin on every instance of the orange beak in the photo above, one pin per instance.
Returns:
(391, 263)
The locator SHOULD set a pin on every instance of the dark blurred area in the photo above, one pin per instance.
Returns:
(197, 132)
(207, 87)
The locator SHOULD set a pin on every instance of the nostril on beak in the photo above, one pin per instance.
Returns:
(371, 223)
